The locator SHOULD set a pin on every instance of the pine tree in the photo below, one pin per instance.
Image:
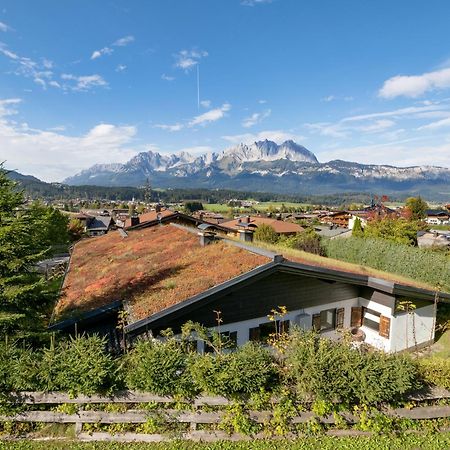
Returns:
(24, 296)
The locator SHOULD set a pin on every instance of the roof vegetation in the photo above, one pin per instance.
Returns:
(151, 269)
(330, 263)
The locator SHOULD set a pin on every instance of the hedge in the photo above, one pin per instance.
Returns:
(420, 264)
(307, 366)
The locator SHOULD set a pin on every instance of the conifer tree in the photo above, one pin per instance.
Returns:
(24, 296)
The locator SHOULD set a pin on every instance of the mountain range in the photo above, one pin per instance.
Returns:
(265, 166)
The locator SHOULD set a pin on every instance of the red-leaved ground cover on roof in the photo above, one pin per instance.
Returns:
(152, 269)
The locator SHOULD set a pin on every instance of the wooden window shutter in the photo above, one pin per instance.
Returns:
(385, 326)
(254, 334)
(357, 316)
(316, 322)
(340, 318)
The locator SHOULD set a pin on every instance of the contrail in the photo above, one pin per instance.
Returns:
(198, 86)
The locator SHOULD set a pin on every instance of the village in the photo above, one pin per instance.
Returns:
(224, 225)
(213, 286)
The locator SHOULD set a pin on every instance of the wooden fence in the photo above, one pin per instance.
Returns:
(193, 414)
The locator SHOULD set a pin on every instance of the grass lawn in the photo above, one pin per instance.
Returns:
(263, 206)
(434, 441)
(441, 346)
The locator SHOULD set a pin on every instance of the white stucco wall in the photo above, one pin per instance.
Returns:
(402, 335)
(372, 337)
(398, 339)
(304, 321)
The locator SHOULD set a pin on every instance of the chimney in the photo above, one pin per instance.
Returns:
(158, 208)
(206, 237)
(246, 235)
(245, 219)
(134, 220)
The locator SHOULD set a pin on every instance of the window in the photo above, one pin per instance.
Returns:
(262, 332)
(228, 338)
(371, 319)
(377, 322)
(325, 320)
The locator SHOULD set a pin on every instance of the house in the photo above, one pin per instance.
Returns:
(332, 231)
(163, 276)
(437, 217)
(428, 239)
(161, 216)
(99, 225)
(253, 222)
(338, 218)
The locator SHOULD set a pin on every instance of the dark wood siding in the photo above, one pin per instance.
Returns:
(257, 299)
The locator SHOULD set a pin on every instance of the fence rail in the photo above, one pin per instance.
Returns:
(192, 414)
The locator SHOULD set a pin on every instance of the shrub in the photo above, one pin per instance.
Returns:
(248, 370)
(308, 241)
(18, 368)
(334, 371)
(266, 233)
(80, 365)
(435, 371)
(159, 367)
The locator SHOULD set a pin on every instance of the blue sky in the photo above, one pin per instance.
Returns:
(84, 82)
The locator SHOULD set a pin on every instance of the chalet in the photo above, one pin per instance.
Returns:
(163, 276)
(163, 216)
(437, 217)
(379, 211)
(338, 218)
(253, 222)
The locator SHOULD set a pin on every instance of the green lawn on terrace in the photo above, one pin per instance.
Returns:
(431, 441)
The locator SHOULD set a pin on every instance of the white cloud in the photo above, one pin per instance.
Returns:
(443, 123)
(122, 42)
(171, 128)
(8, 53)
(103, 51)
(402, 154)
(83, 82)
(415, 85)
(333, 130)
(187, 59)
(167, 77)
(378, 125)
(121, 68)
(205, 103)
(210, 116)
(53, 156)
(402, 112)
(331, 98)
(255, 118)
(254, 2)
(4, 27)
(277, 136)
(262, 101)
(7, 106)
